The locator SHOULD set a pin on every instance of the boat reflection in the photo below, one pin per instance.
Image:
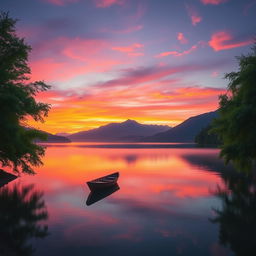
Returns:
(236, 217)
(98, 195)
(22, 209)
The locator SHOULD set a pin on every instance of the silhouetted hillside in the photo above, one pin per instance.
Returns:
(54, 139)
(184, 132)
(129, 130)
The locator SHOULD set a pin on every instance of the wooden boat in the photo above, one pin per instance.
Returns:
(103, 182)
(99, 194)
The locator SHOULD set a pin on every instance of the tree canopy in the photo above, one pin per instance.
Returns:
(236, 124)
(207, 138)
(17, 102)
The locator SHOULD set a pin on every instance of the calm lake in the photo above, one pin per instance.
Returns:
(167, 202)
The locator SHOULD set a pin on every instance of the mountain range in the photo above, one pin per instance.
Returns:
(128, 131)
(186, 131)
(132, 131)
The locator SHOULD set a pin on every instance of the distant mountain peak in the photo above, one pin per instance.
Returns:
(130, 121)
(129, 130)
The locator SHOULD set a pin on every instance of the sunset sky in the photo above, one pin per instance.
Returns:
(154, 61)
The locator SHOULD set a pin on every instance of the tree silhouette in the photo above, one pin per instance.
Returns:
(236, 219)
(21, 210)
(17, 102)
(236, 124)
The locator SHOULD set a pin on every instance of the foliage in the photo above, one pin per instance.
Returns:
(17, 102)
(236, 124)
(207, 138)
(22, 210)
(236, 217)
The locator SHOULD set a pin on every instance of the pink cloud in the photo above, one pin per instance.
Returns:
(223, 41)
(182, 38)
(141, 75)
(61, 2)
(108, 3)
(213, 2)
(215, 74)
(176, 53)
(193, 14)
(64, 58)
(131, 50)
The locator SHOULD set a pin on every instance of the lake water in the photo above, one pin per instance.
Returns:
(166, 203)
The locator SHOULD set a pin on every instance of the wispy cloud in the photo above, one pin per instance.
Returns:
(213, 2)
(193, 14)
(62, 58)
(224, 40)
(108, 3)
(126, 30)
(141, 75)
(181, 53)
(61, 2)
(131, 50)
(248, 7)
(182, 38)
(153, 101)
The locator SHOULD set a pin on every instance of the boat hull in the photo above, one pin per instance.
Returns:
(103, 182)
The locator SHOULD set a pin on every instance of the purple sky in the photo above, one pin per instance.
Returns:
(155, 61)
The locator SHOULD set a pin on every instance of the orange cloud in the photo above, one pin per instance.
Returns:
(213, 2)
(193, 14)
(153, 102)
(108, 3)
(182, 38)
(223, 41)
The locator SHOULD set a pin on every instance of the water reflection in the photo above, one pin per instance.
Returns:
(163, 206)
(237, 216)
(21, 209)
(98, 195)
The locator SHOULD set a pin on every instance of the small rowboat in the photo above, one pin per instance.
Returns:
(103, 182)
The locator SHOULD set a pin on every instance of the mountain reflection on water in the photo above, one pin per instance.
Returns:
(170, 203)
(21, 210)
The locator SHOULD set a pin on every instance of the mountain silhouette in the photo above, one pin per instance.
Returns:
(184, 132)
(129, 130)
(54, 138)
